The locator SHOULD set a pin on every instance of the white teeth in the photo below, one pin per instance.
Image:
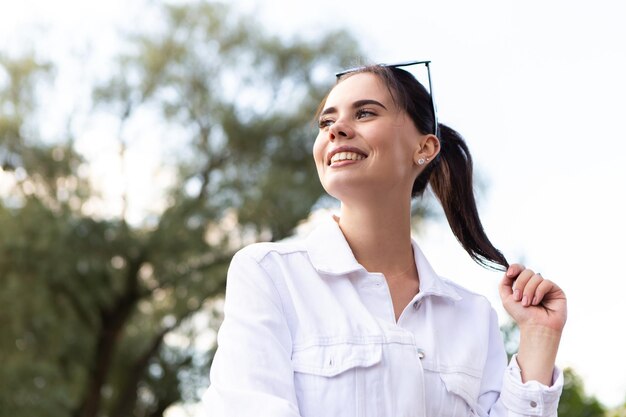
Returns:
(346, 156)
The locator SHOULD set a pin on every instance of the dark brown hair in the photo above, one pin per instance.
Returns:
(450, 174)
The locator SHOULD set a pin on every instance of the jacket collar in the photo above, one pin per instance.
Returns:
(330, 254)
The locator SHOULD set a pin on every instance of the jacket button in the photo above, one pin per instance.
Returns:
(533, 404)
(420, 353)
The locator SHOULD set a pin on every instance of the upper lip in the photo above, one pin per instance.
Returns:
(334, 151)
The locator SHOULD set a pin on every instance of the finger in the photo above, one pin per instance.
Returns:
(520, 283)
(514, 270)
(545, 287)
(530, 289)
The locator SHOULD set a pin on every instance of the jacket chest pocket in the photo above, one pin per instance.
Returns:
(337, 380)
(456, 393)
(465, 388)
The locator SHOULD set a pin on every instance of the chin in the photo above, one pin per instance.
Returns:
(346, 190)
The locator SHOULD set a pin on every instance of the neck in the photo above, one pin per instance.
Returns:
(380, 236)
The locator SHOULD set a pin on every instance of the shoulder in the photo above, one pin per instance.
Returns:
(259, 252)
(468, 297)
(269, 267)
(463, 291)
(259, 266)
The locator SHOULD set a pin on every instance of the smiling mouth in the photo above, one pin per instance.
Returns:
(346, 156)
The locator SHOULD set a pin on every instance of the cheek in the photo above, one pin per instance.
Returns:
(395, 155)
(318, 150)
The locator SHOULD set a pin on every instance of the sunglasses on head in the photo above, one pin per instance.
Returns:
(405, 64)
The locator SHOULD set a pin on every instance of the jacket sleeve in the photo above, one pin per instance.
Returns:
(503, 394)
(251, 374)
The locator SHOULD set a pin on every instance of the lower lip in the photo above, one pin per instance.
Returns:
(344, 163)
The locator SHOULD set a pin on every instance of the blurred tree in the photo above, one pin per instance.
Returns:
(510, 334)
(95, 311)
(574, 402)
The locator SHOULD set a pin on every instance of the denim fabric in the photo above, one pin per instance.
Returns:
(309, 332)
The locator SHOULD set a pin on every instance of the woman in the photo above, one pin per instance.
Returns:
(353, 321)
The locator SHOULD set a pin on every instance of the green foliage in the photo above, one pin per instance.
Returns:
(574, 402)
(88, 302)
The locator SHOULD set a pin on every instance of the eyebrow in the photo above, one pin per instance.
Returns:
(355, 105)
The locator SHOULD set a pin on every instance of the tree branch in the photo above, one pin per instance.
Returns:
(112, 321)
(128, 395)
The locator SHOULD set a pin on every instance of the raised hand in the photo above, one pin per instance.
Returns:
(532, 300)
(539, 308)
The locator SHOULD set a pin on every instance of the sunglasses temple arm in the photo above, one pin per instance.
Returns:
(432, 100)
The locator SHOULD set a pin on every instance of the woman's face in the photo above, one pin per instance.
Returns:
(365, 145)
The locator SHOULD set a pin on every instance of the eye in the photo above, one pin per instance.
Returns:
(325, 122)
(362, 113)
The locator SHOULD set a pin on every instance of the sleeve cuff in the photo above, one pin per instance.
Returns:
(531, 398)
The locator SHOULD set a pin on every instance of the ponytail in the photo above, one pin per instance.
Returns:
(451, 181)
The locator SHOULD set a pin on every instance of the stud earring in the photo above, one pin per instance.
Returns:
(420, 161)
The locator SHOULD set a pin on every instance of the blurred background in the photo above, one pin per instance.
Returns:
(142, 143)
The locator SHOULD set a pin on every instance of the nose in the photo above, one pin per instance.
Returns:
(339, 129)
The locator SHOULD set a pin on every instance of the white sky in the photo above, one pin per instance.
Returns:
(539, 92)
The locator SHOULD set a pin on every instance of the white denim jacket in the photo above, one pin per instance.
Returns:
(309, 332)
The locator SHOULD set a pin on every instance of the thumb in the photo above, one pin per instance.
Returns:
(506, 285)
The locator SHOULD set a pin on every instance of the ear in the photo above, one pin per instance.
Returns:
(427, 151)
